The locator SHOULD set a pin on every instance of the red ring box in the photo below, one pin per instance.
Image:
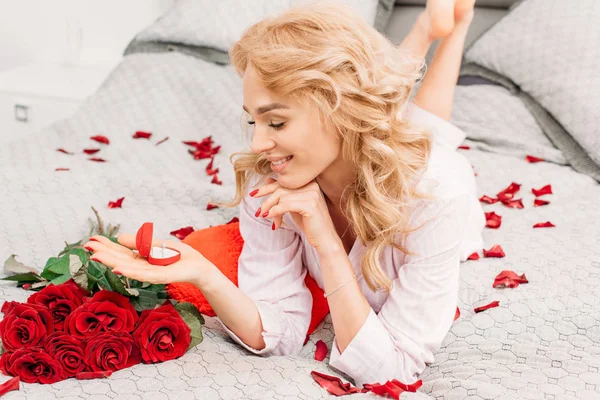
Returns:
(154, 254)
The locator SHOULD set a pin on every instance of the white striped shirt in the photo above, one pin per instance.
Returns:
(405, 326)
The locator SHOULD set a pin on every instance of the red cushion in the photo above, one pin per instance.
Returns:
(222, 245)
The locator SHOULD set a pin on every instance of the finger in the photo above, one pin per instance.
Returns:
(269, 187)
(94, 247)
(129, 240)
(300, 206)
(102, 242)
(144, 274)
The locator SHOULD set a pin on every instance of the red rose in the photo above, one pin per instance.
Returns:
(111, 352)
(162, 334)
(107, 311)
(67, 350)
(61, 300)
(24, 325)
(31, 365)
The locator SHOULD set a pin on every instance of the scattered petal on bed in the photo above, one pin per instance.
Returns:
(97, 159)
(533, 159)
(210, 172)
(9, 386)
(487, 306)
(457, 314)
(393, 388)
(234, 220)
(142, 135)
(210, 163)
(493, 220)
(307, 338)
(333, 384)
(62, 169)
(544, 190)
(183, 232)
(93, 375)
(509, 193)
(211, 206)
(320, 351)
(91, 151)
(116, 204)
(546, 224)
(488, 199)
(64, 151)
(162, 141)
(509, 279)
(216, 180)
(517, 203)
(464, 147)
(538, 202)
(473, 256)
(495, 251)
(100, 139)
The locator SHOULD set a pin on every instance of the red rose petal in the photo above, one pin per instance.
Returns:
(142, 135)
(162, 141)
(210, 164)
(306, 339)
(457, 314)
(393, 388)
(116, 204)
(100, 139)
(493, 220)
(464, 147)
(473, 256)
(64, 151)
(210, 206)
(509, 279)
(91, 151)
(216, 180)
(538, 202)
(93, 375)
(509, 193)
(487, 306)
(97, 159)
(62, 169)
(9, 386)
(533, 159)
(26, 286)
(233, 220)
(183, 232)
(210, 172)
(321, 351)
(546, 224)
(514, 203)
(495, 251)
(333, 384)
(487, 199)
(543, 190)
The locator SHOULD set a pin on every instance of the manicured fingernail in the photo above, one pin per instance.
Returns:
(257, 212)
(88, 248)
(94, 240)
(253, 193)
(265, 214)
(117, 272)
(94, 259)
(273, 226)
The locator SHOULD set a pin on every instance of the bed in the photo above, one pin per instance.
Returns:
(542, 342)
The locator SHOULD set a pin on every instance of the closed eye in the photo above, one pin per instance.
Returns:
(274, 126)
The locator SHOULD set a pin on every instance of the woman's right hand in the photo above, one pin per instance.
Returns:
(192, 267)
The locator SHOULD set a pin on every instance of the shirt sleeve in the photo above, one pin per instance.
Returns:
(271, 273)
(445, 132)
(398, 342)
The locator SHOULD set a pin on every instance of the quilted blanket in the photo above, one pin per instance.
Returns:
(542, 342)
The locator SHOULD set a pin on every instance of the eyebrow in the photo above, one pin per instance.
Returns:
(263, 109)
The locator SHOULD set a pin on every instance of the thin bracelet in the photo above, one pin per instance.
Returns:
(341, 286)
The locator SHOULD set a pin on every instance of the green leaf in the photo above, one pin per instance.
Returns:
(195, 326)
(12, 266)
(189, 307)
(96, 269)
(59, 266)
(145, 300)
(115, 282)
(133, 292)
(104, 284)
(75, 264)
(60, 279)
(155, 287)
(28, 277)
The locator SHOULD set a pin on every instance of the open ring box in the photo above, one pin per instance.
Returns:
(154, 254)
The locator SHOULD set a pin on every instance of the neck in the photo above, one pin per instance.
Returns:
(335, 179)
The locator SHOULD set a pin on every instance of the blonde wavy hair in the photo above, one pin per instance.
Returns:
(325, 53)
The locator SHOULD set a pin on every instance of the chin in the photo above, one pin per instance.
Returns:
(292, 182)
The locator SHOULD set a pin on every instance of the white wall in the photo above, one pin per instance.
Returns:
(37, 30)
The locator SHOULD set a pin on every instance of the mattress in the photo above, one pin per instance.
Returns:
(542, 342)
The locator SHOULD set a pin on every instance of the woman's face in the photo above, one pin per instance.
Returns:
(282, 128)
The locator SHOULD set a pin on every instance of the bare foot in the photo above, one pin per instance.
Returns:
(463, 9)
(441, 16)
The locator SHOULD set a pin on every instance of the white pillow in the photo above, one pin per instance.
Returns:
(217, 24)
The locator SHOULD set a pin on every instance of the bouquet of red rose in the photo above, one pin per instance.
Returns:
(85, 321)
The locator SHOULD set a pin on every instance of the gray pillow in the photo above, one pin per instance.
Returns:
(207, 28)
(550, 50)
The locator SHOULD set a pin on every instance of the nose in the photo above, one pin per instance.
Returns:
(261, 141)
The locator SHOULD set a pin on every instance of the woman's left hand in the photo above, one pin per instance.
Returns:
(307, 207)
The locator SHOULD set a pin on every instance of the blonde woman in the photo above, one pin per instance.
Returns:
(349, 180)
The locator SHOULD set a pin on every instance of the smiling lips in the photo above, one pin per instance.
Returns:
(279, 165)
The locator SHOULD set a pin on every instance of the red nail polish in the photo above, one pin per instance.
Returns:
(117, 272)
(253, 193)
(273, 226)
(94, 259)
(88, 248)
(265, 214)
(257, 212)
(94, 240)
